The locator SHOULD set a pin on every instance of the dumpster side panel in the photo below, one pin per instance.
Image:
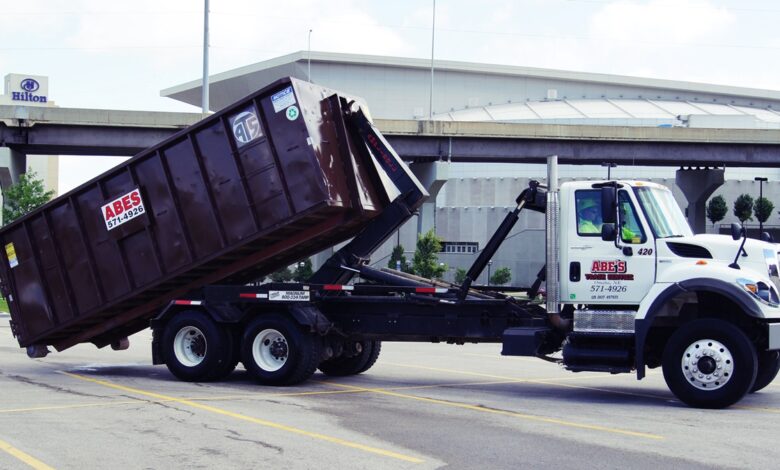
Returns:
(172, 242)
(30, 294)
(109, 260)
(194, 201)
(266, 186)
(59, 296)
(77, 260)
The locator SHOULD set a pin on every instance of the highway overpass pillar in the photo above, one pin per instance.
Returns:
(432, 175)
(12, 164)
(698, 185)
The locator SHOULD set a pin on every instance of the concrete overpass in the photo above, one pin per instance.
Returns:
(63, 131)
(70, 131)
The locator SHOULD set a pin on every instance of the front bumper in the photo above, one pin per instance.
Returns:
(774, 336)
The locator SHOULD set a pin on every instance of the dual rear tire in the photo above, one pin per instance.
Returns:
(274, 349)
(362, 361)
(197, 349)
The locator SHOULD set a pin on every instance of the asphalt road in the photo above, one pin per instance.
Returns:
(422, 406)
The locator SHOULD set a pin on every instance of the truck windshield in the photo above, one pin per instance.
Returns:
(662, 212)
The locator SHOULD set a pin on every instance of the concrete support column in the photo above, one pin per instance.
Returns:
(12, 164)
(698, 185)
(432, 175)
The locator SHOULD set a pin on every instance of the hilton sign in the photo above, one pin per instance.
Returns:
(27, 89)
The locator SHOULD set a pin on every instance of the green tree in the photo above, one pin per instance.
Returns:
(303, 271)
(24, 196)
(281, 275)
(716, 209)
(426, 262)
(762, 209)
(743, 208)
(398, 257)
(501, 276)
(460, 275)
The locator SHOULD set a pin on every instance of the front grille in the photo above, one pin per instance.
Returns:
(689, 251)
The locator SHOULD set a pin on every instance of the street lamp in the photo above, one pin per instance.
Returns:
(760, 180)
(490, 263)
(609, 166)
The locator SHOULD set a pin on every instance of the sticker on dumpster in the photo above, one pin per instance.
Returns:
(246, 127)
(292, 113)
(123, 209)
(289, 295)
(11, 252)
(283, 99)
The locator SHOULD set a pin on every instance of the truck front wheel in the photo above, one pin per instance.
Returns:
(196, 348)
(709, 363)
(768, 367)
(276, 351)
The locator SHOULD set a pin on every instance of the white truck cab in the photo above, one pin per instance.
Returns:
(644, 291)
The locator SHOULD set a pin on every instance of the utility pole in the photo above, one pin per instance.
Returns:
(308, 60)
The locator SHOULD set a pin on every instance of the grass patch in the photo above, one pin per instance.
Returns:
(3, 306)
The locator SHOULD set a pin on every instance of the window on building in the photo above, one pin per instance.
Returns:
(459, 247)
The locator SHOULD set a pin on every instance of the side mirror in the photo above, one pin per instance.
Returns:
(736, 231)
(608, 232)
(608, 205)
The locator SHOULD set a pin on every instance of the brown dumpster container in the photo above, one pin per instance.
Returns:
(259, 185)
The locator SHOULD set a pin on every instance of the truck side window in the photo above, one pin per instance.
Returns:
(588, 207)
(630, 228)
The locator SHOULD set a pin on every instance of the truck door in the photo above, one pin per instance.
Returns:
(606, 272)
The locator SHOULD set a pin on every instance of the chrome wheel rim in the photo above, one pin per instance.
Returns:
(707, 364)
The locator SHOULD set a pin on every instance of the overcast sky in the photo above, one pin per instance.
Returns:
(119, 54)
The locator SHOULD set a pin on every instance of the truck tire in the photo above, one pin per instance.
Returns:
(235, 356)
(768, 367)
(343, 366)
(196, 348)
(709, 363)
(276, 351)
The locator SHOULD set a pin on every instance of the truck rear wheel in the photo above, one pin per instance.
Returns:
(196, 348)
(768, 367)
(276, 351)
(343, 366)
(709, 364)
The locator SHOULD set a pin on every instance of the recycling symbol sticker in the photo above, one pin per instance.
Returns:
(292, 113)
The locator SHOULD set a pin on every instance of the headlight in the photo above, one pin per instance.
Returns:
(761, 291)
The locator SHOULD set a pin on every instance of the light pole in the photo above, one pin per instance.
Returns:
(433, 42)
(490, 263)
(204, 98)
(760, 180)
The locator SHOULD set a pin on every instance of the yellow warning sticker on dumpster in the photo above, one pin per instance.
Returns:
(11, 252)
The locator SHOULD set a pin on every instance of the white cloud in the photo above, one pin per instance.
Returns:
(659, 20)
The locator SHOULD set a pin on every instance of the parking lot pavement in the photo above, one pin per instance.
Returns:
(422, 406)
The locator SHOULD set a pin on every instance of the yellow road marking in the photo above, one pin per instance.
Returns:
(67, 407)
(591, 427)
(758, 408)
(262, 422)
(618, 392)
(24, 457)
